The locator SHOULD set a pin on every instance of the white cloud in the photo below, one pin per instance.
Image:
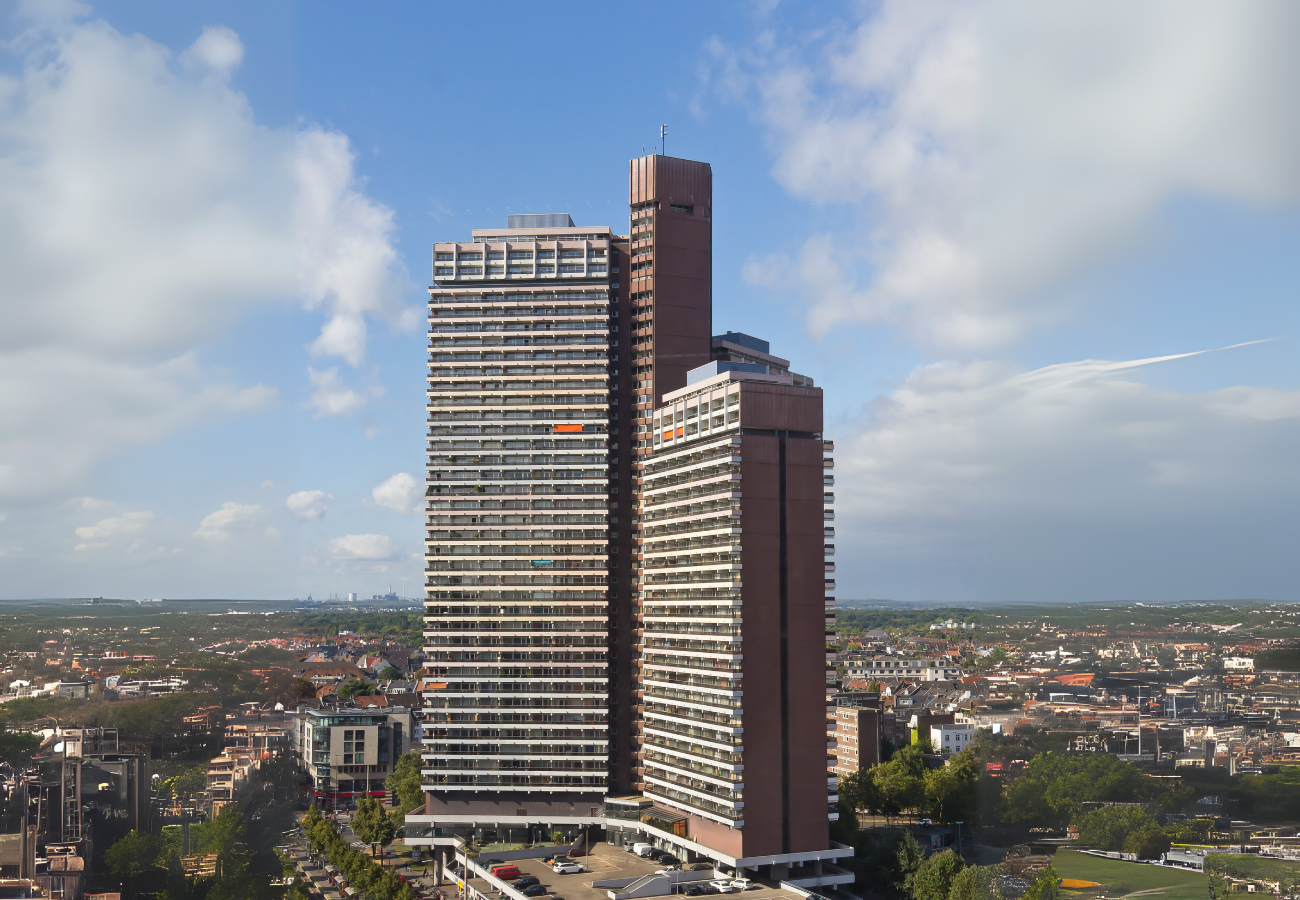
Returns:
(108, 531)
(346, 259)
(267, 484)
(400, 493)
(370, 547)
(235, 520)
(218, 51)
(978, 482)
(333, 397)
(142, 210)
(992, 151)
(309, 505)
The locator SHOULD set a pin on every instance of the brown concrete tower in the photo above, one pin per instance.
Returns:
(670, 278)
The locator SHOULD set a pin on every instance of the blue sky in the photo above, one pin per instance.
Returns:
(960, 219)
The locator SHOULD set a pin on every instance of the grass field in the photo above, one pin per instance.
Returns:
(1120, 879)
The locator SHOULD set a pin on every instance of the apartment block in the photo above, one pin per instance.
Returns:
(731, 561)
(620, 639)
(857, 738)
(348, 753)
(519, 522)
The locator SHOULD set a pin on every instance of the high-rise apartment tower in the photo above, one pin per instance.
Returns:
(626, 526)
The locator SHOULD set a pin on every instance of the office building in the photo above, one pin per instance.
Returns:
(593, 568)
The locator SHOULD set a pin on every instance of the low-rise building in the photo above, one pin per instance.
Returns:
(951, 738)
(348, 753)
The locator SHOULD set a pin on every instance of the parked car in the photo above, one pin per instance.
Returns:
(643, 850)
(505, 872)
(925, 823)
(742, 884)
(723, 886)
(569, 867)
(490, 862)
(577, 851)
(534, 890)
(696, 890)
(702, 867)
(525, 881)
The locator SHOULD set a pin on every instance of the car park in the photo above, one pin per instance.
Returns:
(534, 890)
(643, 850)
(696, 890)
(568, 867)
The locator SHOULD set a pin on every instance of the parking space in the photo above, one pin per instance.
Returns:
(607, 862)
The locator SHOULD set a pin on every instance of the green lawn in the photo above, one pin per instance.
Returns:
(1119, 878)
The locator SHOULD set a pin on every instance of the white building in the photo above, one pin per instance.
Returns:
(951, 738)
(923, 669)
(1238, 664)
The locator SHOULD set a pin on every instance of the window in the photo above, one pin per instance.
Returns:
(597, 251)
(521, 254)
(471, 270)
(681, 208)
(570, 269)
(443, 273)
(496, 254)
(571, 254)
(443, 257)
(546, 270)
(468, 256)
(521, 270)
(546, 254)
(597, 270)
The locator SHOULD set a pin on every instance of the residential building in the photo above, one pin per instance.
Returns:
(732, 604)
(857, 737)
(921, 669)
(585, 609)
(349, 753)
(951, 738)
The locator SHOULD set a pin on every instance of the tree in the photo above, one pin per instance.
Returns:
(1047, 886)
(933, 879)
(404, 783)
(1109, 827)
(1054, 785)
(952, 792)
(17, 748)
(354, 688)
(390, 673)
(372, 824)
(224, 836)
(900, 783)
(302, 689)
(974, 883)
(131, 856)
(909, 858)
(1148, 841)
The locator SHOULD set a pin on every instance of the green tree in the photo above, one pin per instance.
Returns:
(1108, 827)
(933, 879)
(130, 857)
(372, 823)
(390, 673)
(974, 883)
(952, 792)
(404, 783)
(1148, 841)
(225, 836)
(354, 688)
(1054, 785)
(17, 748)
(909, 857)
(900, 783)
(1047, 886)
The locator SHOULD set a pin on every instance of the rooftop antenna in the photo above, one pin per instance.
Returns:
(663, 133)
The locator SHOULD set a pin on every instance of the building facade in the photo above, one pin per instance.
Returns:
(857, 738)
(349, 753)
(600, 594)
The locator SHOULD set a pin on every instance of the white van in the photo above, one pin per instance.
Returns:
(643, 849)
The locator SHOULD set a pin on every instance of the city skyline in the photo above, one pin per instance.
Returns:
(213, 362)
